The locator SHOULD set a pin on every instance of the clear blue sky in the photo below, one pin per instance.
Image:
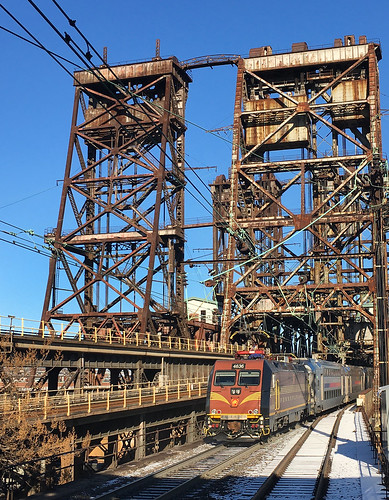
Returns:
(37, 98)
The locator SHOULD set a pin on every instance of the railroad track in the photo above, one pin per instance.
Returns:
(302, 473)
(174, 481)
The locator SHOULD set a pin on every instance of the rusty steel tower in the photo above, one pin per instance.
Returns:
(118, 246)
(302, 263)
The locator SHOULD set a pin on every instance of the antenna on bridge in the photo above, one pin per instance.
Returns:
(157, 50)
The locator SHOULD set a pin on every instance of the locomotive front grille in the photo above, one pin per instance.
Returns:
(234, 426)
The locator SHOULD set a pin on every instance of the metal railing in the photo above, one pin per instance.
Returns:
(11, 327)
(52, 405)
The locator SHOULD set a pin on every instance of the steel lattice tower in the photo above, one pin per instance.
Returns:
(119, 242)
(303, 263)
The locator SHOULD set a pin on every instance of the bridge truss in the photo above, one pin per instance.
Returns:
(118, 245)
(302, 263)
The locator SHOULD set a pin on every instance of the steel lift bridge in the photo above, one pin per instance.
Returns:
(307, 195)
(300, 255)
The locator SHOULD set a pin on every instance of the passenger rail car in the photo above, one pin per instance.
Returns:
(250, 398)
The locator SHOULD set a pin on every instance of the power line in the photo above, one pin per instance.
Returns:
(31, 232)
(26, 247)
(27, 197)
(37, 45)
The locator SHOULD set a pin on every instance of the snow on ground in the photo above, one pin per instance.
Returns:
(354, 472)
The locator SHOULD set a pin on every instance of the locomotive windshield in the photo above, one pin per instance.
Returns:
(249, 377)
(225, 377)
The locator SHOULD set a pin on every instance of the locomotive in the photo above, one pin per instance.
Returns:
(251, 398)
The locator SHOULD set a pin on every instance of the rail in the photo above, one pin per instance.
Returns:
(313, 439)
(174, 481)
(50, 405)
(11, 328)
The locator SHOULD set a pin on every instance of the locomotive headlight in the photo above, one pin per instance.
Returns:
(213, 411)
(255, 411)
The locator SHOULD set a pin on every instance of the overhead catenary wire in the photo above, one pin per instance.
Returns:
(28, 197)
(38, 46)
(26, 247)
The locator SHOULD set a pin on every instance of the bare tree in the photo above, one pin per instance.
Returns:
(27, 443)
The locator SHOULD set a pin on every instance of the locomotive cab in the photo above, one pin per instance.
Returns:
(234, 399)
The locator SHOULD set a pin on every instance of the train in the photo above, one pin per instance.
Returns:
(255, 395)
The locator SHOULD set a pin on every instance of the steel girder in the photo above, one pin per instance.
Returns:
(304, 253)
(118, 247)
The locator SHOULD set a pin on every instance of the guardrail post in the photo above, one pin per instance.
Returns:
(199, 388)
(178, 390)
(170, 342)
(22, 327)
(43, 329)
(197, 344)
(79, 332)
(124, 398)
(179, 343)
(107, 400)
(189, 393)
(95, 334)
(140, 396)
(110, 335)
(89, 400)
(188, 345)
(154, 394)
(137, 338)
(124, 338)
(45, 407)
(68, 404)
(159, 341)
(166, 393)
(61, 331)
